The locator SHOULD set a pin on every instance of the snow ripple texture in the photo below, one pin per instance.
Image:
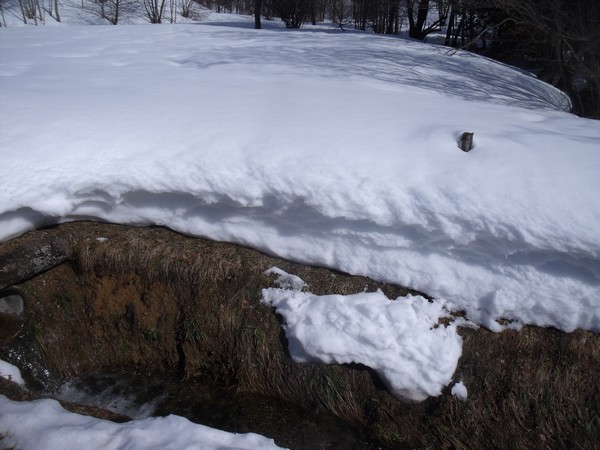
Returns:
(399, 339)
(334, 149)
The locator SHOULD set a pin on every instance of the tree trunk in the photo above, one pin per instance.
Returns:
(2, 15)
(416, 28)
(257, 13)
(450, 27)
(56, 15)
(116, 18)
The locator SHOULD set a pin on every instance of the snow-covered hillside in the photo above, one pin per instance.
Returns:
(331, 148)
(325, 147)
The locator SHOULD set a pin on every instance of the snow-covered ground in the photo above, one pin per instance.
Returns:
(400, 339)
(45, 424)
(325, 147)
(11, 373)
(336, 149)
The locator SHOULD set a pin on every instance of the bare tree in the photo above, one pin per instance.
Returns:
(31, 10)
(339, 11)
(3, 23)
(293, 13)
(558, 39)
(563, 36)
(172, 11)
(361, 11)
(418, 25)
(257, 12)
(111, 10)
(185, 8)
(388, 17)
(53, 9)
(154, 10)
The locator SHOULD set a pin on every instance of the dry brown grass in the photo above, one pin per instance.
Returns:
(152, 299)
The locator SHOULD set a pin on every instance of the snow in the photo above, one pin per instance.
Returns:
(11, 373)
(399, 339)
(45, 424)
(460, 390)
(285, 280)
(330, 148)
(333, 149)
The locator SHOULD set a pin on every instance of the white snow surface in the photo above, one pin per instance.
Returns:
(286, 280)
(398, 339)
(45, 424)
(460, 390)
(11, 373)
(330, 148)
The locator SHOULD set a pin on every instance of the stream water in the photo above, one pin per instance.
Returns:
(140, 395)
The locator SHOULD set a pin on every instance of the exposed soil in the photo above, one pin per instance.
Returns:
(153, 301)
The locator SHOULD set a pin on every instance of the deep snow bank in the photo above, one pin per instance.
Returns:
(335, 149)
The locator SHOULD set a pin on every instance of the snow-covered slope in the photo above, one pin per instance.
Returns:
(330, 148)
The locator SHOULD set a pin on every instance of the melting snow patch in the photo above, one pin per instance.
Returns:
(11, 373)
(460, 391)
(399, 339)
(286, 280)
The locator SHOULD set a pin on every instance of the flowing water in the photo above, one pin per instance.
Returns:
(21, 352)
(138, 396)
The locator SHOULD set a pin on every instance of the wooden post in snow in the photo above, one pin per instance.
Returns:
(466, 141)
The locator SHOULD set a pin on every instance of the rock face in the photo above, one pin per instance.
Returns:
(22, 262)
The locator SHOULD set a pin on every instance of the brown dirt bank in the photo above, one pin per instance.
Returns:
(153, 300)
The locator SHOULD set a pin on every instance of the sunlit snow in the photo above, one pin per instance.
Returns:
(45, 424)
(460, 390)
(399, 339)
(337, 149)
(11, 373)
(325, 147)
